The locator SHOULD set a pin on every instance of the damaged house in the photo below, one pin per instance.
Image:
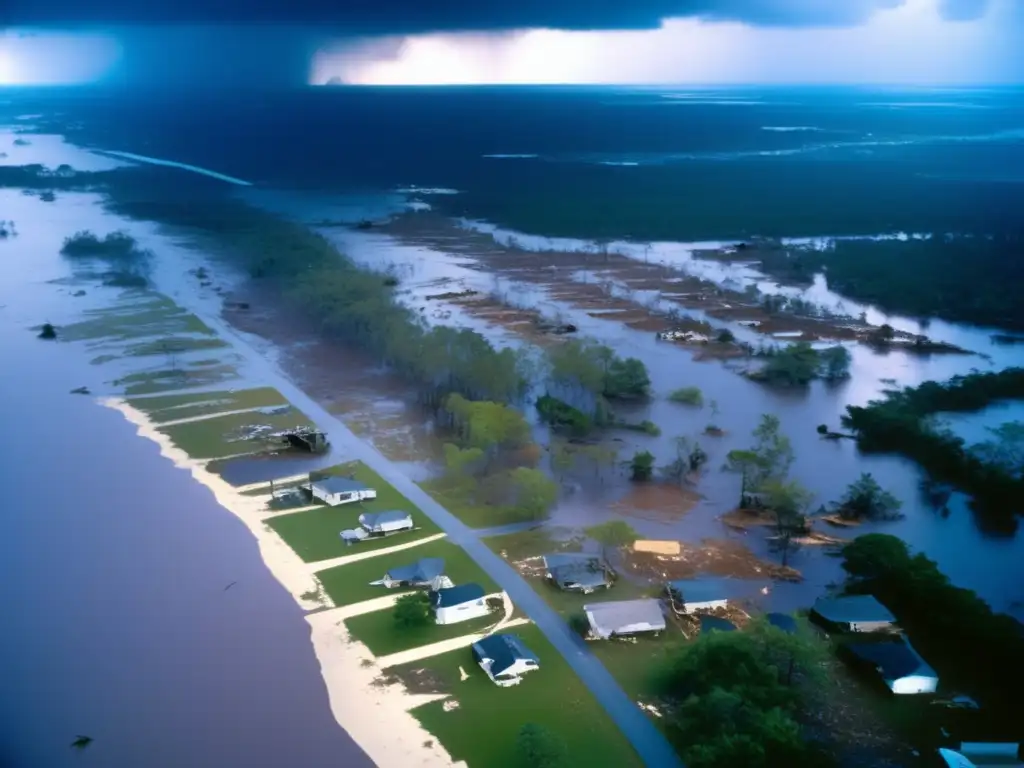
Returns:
(427, 572)
(619, 618)
(574, 572)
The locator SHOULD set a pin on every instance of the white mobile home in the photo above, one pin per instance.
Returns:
(624, 617)
(461, 603)
(378, 524)
(340, 490)
(504, 658)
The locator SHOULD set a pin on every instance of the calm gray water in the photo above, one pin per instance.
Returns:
(113, 568)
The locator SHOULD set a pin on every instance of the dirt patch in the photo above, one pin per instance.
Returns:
(423, 681)
(742, 519)
(657, 501)
(717, 557)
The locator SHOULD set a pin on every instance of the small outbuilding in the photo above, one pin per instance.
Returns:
(378, 524)
(575, 572)
(340, 490)
(461, 603)
(693, 595)
(617, 618)
(901, 668)
(854, 613)
(504, 658)
(427, 572)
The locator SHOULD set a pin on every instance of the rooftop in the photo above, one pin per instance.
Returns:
(852, 609)
(503, 650)
(424, 570)
(463, 593)
(621, 616)
(707, 590)
(893, 660)
(335, 484)
(371, 519)
(576, 569)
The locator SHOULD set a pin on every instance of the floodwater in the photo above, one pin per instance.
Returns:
(958, 541)
(137, 611)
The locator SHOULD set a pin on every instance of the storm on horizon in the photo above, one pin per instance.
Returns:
(401, 42)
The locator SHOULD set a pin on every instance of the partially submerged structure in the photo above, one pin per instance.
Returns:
(618, 618)
(574, 572)
(695, 595)
(378, 524)
(306, 439)
(334, 490)
(462, 603)
(426, 572)
(854, 613)
(900, 667)
(504, 658)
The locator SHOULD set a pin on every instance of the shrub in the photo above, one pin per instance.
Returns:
(412, 610)
(688, 396)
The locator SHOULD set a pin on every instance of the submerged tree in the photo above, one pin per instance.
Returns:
(865, 499)
(642, 466)
(612, 535)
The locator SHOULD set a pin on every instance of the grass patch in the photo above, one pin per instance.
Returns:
(483, 729)
(535, 541)
(638, 667)
(688, 396)
(378, 631)
(348, 584)
(221, 436)
(174, 379)
(174, 345)
(139, 315)
(313, 535)
(456, 499)
(186, 406)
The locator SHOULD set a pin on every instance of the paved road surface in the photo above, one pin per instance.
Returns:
(646, 739)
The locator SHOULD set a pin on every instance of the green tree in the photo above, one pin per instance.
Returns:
(773, 450)
(1006, 451)
(789, 500)
(486, 425)
(876, 556)
(539, 747)
(688, 396)
(612, 535)
(626, 379)
(835, 363)
(795, 365)
(412, 610)
(642, 466)
(533, 492)
(865, 499)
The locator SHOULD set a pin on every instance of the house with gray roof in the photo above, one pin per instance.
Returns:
(426, 572)
(378, 524)
(462, 603)
(617, 618)
(853, 613)
(504, 658)
(708, 593)
(575, 572)
(340, 490)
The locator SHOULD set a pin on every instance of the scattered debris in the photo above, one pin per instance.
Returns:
(80, 391)
(449, 705)
(78, 293)
(47, 332)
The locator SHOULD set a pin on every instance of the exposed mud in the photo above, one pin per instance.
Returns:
(716, 557)
(659, 502)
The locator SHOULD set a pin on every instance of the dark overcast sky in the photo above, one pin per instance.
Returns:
(362, 17)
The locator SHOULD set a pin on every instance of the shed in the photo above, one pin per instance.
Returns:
(427, 572)
(504, 658)
(624, 617)
(690, 595)
(340, 490)
(576, 572)
(461, 603)
(899, 665)
(855, 613)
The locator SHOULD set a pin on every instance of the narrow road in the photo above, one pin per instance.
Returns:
(647, 740)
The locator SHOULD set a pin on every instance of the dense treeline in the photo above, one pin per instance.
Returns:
(800, 363)
(922, 277)
(901, 423)
(974, 649)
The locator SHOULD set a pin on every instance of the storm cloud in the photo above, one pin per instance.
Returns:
(373, 17)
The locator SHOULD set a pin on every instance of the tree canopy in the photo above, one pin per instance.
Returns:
(865, 499)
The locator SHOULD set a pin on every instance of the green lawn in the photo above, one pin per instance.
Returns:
(187, 376)
(483, 729)
(347, 584)
(472, 514)
(136, 316)
(163, 408)
(378, 632)
(174, 345)
(541, 540)
(221, 436)
(314, 534)
(636, 666)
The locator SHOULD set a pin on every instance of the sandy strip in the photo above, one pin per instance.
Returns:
(436, 649)
(323, 565)
(173, 164)
(265, 484)
(205, 416)
(370, 606)
(376, 716)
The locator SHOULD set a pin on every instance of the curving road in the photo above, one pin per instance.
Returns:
(646, 739)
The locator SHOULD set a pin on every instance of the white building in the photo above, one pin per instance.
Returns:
(624, 617)
(504, 658)
(340, 490)
(461, 603)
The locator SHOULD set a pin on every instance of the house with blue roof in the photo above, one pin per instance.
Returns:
(504, 658)
(461, 603)
(426, 572)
